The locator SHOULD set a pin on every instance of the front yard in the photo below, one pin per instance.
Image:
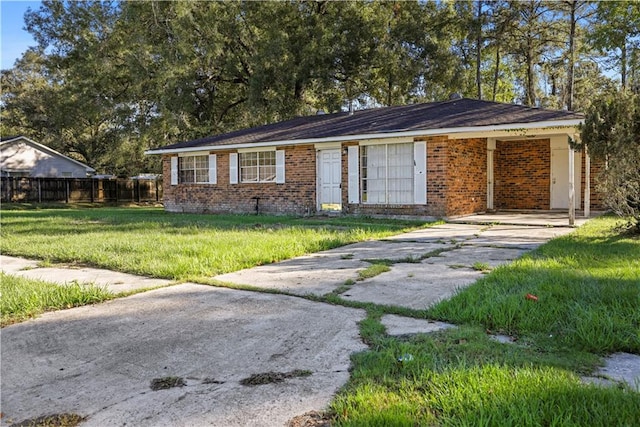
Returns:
(586, 284)
(151, 242)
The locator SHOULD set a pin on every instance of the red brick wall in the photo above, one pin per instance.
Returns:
(522, 174)
(466, 176)
(296, 196)
(437, 154)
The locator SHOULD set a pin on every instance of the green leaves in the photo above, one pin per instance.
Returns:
(111, 79)
(611, 132)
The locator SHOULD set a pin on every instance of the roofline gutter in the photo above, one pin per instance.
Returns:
(516, 127)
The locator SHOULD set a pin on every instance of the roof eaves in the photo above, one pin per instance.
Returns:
(378, 135)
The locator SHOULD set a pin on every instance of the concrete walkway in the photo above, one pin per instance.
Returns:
(427, 265)
(102, 361)
(113, 281)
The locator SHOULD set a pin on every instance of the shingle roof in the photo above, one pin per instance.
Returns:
(457, 113)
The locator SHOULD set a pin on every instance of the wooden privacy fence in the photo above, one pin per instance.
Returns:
(67, 190)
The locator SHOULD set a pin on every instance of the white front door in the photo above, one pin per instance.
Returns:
(330, 180)
(560, 178)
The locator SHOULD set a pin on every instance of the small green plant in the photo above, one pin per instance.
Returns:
(372, 271)
(481, 266)
(54, 420)
(343, 288)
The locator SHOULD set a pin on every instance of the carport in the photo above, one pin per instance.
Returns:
(539, 173)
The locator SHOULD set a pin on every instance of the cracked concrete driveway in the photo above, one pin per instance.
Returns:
(427, 265)
(99, 361)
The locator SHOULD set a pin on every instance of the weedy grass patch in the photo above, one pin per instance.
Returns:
(373, 270)
(462, 377)
(26, 298)
(581, 290)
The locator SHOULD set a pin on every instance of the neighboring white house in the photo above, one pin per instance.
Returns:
(23, 157)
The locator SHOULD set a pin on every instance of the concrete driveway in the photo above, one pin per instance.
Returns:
(100, 361)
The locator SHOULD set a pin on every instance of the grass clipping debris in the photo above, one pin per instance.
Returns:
(166, 383)
(273, 377)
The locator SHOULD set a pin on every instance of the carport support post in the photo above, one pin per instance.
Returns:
(491, 146)
(572, 190)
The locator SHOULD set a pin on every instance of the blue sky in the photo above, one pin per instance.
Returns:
(13, 39)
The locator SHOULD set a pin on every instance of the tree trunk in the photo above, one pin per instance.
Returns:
(530, 96)
(479, 50)
(496, 73)
(572, 48)
(623, 66)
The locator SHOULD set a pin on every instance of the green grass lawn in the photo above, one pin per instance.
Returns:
(151, 242)
(22, 298)
(587, 286)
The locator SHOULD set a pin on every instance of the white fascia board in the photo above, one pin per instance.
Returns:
(380, 135)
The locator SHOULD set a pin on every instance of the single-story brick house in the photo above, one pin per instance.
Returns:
(439, 159)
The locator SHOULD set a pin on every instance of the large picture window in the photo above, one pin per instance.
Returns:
(387, 173)
(258, 166)
(193, 169)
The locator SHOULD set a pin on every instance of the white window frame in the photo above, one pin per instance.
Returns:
(193, 167)
(268, 165)
(410, 179)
